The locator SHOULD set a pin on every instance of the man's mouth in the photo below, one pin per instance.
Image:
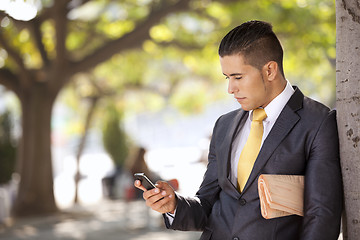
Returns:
(239, 98)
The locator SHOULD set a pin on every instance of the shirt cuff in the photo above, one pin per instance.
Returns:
(170, 217)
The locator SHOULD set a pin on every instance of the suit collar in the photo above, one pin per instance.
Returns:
(296, 100)
(274, 108)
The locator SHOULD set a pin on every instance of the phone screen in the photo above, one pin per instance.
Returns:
(145, 181)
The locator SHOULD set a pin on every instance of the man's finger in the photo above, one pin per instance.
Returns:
(138, 185)
(150, 200)
(165, 186)
(166, 204)
(149, 193)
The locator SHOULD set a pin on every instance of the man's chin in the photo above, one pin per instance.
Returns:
(244, 107)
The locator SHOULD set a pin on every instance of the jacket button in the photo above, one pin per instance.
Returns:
(235, 238)
(242, 202)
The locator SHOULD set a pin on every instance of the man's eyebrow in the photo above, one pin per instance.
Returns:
(233, 74)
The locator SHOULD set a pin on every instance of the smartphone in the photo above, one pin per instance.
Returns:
(145, 181)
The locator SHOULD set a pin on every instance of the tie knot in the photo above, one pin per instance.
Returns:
(259, 114)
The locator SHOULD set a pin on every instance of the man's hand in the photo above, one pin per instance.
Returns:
(161, 199)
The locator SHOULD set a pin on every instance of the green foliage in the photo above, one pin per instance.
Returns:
(7, 148)
(306, 29)
(178, 65)
(114, 138)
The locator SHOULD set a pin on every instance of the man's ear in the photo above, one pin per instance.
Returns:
(270, 70)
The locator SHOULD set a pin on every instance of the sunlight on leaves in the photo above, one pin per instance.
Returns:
(117, 29)
(149, 46)
(49, 38)
(218, 11)
(161, 33)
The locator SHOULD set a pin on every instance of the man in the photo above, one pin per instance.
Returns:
(298, 136)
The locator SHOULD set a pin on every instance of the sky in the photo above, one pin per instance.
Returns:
(20, 9)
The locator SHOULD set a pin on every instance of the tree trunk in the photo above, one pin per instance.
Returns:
(348, 110)
(35, 194)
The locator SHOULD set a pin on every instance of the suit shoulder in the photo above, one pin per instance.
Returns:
(228, 119)
(315, 106)
(314, 109)
(307, 106)
(230, 115)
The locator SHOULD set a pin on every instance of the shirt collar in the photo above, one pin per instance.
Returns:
(274, 108)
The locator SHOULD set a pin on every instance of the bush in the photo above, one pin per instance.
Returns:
(114, 137)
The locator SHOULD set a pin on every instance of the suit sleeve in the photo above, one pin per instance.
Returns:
(192, 213)
(323, 185)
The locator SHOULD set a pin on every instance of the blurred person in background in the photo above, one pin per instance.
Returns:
(298, 136)
(138, 165)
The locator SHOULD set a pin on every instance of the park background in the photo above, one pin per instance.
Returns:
(85, 84)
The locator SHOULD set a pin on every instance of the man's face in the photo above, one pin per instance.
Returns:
(246, 82)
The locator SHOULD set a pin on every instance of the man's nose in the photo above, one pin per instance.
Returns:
(231, 87)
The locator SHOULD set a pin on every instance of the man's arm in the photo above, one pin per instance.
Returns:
(192, 213)
(323, 185)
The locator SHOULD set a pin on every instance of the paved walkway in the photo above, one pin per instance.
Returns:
(108, 220)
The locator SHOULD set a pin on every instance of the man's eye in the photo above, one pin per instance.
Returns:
(227, 78)
(238, 78)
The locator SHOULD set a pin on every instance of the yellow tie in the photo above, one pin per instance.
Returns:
(251, 149)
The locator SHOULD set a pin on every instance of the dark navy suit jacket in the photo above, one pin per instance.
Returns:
(303, 141)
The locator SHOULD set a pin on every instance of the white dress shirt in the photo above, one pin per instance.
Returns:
(273, 110)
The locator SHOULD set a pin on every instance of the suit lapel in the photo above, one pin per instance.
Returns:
(226, 152)
(283, 125)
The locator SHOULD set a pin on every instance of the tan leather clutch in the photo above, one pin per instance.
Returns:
(281, 195)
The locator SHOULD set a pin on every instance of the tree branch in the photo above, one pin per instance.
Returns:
(61, 32)
(10, 81)
(181, 45)
(50, 12)
(89, 43)
(45, 14)
(35, 27)
(22, 79)
(19, 24)
(228, 1)
(12, 52)
(76, 4)
(130, 40)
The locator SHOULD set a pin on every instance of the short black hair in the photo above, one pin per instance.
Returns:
(256, 42)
